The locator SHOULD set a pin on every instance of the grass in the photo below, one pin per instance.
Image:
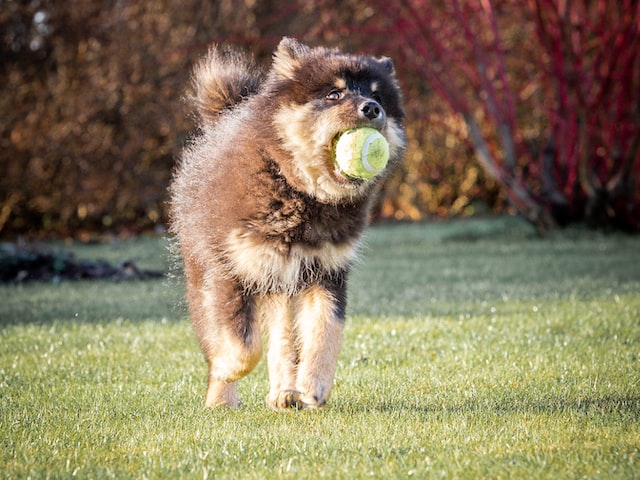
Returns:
(472, 350)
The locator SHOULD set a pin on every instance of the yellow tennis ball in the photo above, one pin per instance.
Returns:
(361, 153)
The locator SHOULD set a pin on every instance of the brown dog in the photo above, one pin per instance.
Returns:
(267, 226)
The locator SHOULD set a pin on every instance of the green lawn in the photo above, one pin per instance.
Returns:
(473, 349)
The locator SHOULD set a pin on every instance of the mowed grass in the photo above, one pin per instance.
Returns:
(472, 349)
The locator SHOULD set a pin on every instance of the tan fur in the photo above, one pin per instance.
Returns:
(285, 58)
(264, 268)
(277, 316)
(319, 337)
(216, 89)
(340, 83)
(228, 358)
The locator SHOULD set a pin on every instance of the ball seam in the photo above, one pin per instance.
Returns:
(365, 154)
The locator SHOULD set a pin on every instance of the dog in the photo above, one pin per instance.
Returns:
(267, 226)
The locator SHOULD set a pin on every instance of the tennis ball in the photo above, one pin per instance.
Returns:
(361, 153)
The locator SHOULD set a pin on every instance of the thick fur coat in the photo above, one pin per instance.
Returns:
(267, 226)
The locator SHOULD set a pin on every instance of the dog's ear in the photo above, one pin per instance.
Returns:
(286, 58)
(291, 47)
(387, 64)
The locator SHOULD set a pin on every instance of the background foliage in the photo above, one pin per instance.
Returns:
(93, 111)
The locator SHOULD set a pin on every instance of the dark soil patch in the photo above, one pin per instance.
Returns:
(24, 264)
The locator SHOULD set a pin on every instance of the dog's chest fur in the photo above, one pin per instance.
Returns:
(288, 240)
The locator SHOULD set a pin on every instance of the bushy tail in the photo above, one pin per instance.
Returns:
(221, 80)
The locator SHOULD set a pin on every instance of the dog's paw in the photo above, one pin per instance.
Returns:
(284, 400)
(222, 394)
(315, 392)
(312, 402)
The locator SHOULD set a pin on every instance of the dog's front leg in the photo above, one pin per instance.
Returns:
(319, 317)
(282, 357)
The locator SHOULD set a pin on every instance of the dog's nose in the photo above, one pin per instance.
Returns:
(371, 110)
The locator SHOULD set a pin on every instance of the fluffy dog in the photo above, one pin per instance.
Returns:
(267, 226)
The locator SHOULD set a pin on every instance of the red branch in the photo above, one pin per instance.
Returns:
(588, 88)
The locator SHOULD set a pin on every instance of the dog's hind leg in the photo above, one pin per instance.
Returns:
(320, 312)
(230, 339)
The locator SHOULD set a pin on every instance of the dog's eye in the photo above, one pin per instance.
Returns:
(376, 97)
(335, 95)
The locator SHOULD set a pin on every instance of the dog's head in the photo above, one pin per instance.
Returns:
(319, 94)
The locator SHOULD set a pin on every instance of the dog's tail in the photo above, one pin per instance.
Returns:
(223, 79)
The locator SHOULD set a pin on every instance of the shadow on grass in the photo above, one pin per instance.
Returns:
(605, 405)
(95, 301)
